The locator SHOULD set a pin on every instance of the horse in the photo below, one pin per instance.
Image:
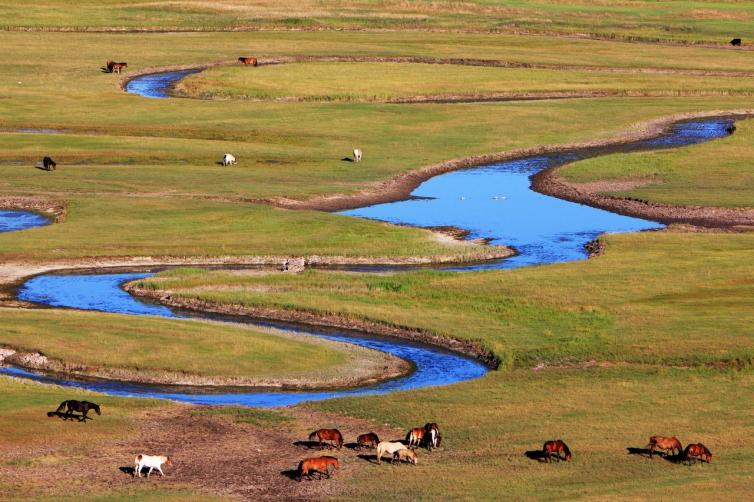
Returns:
(81, 406)
(557, 446)
(664, 443)
(389, 447)
(320, 465)
(736, 42)
(248, 61)
(332, 435)
(407, 455)
(369, 440)
(49, 164)
(113, 67)
(228, 159)
(415, 436)
(357, 155)
(432, 432)
(697, 451)
(151, 461)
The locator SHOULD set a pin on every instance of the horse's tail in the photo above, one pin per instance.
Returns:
(61, 407)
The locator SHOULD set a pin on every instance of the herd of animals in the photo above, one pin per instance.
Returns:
(428, 437)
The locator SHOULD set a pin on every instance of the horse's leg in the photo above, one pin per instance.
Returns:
(149, 472)
(159, 469)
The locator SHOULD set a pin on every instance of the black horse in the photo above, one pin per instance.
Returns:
(49, 164)
(736, 42)
(82, 407)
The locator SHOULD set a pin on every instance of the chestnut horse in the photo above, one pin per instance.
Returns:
(321, 465)
(697, 451)
(415, 437)
(670, 444)
(557, 446)
(369, 440)
(332, 435)
(248, 61)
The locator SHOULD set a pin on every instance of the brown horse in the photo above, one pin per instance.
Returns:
(432, 434)
(82, 407)
(697, 451)
(415, 437)
(113, 67)
(321, 465)
(558, 447)
(369, 440)
(670, 444)
(248, 61)
(331, 435)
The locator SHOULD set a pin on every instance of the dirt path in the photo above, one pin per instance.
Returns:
(213, 453)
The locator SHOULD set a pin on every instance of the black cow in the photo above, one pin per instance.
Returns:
(736, 42)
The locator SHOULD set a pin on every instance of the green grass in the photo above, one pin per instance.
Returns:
(156, 345)
(654, 298)
(386, 81)
(685, 20)
(713, 174)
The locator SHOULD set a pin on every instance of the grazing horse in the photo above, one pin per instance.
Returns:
(248, 61)
(369, 440)
(670, 444)
(228, 159)
(331, 435)
(697, 451)
(357, 154)
(320, 465)
(113, 67)
(415, 437)
(558, 447)
(407, 455)
(736, 42)
(151, 461)
(49, 164)
(432, 434)
(81, 406)
(390, 448)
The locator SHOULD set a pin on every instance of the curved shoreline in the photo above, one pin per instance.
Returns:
(55, 210)
(467, 348)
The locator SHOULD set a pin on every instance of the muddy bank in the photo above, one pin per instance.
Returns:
(366, 367)
(401, 186)
(548, 182)
(54, 209)
(327, 319)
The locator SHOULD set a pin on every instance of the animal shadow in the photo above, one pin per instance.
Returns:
(127, 470)
(354, 446)
(346, 159)
(644, 452)
(104, 69)
(537, 455)
(369, 458)
(312, 445)
(290, 474)
(66, 416)
(43, 168)
(219, 163)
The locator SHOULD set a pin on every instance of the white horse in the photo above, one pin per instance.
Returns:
(389, 447)
(357, 155)
(228, 159)
(151, 461)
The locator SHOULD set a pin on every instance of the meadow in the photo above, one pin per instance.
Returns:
(651, 337)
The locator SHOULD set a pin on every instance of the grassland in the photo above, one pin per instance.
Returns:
(182, 351)
(651, 338)
(638, 19)
(717, 175)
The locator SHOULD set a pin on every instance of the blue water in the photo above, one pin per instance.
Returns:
(11, 221)
(496, 202)
(156, 85)
(102, 292)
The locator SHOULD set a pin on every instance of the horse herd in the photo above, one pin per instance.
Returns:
(427, 436)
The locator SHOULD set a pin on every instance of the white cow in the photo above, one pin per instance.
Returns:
(357, 155)
(151, 461)
(228, 159)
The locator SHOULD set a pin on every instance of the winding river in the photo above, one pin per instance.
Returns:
(494, 202)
